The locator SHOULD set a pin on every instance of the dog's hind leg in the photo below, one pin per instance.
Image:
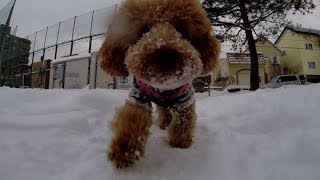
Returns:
(130, 133)
(164, 117)
(182, 127)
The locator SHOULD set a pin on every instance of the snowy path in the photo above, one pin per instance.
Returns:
(63, 134)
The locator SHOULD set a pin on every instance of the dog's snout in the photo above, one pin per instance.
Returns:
(166, 59)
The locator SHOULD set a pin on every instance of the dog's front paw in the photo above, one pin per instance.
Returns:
(122, 159)
(182, 143)
(125, 152)
(131, 130)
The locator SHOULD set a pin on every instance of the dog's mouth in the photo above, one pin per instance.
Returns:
(160, 93)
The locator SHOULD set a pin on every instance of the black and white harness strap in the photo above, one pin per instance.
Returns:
(168, 98)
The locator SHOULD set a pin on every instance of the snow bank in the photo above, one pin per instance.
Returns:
(63, 135)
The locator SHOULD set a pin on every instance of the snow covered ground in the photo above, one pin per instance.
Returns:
(63, 135)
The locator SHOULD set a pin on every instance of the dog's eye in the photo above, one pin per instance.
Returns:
(144, 30)
(182, 29)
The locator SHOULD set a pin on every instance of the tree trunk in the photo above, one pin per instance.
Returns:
(254, 75)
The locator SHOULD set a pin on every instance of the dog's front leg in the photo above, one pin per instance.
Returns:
(130, 127)
(181, 128)
(164, 117)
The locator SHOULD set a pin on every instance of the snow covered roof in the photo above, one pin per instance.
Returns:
(306, 30)
(301, 30)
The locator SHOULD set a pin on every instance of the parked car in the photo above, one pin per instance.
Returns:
(282, 80)
(236, 88)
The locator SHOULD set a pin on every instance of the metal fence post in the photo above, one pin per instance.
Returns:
(57, 41)
(64, 74)
(44, 44)
(90, 38)
(42, 59)
(74, 24)
(34, 46)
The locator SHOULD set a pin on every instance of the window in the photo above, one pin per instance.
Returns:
(124, 81)
(275, 60)
(273, 79)
(312, 65)
(286, 79)
(289, 78)
(308, 46)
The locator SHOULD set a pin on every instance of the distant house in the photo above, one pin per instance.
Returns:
(273, 57)
(302, 52)
(235, 68)
(239, 67)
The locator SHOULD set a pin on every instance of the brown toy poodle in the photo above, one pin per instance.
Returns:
(164, 45)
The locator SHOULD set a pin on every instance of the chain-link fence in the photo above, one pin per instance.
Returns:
(82, 34)
(78, 35)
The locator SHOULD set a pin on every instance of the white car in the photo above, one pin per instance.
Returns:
(283, 80)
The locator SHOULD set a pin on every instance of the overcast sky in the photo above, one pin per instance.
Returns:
(33, 15)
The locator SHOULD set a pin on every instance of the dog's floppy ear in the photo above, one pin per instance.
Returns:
(120, 35)
(209, 49)
(112, 57)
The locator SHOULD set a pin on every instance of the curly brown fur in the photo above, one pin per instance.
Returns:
(131, 130)
(209, 49)
(165, 44)
(115, 52)
(163, 68)
(164, 117)
(136, 17)
(181, 128)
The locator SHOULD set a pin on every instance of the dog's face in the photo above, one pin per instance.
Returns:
(165, 43)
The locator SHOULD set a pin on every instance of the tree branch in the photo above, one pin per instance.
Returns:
(239, 32)
(224, 23)
(231, 27)
(262, 18)
(255, 32)
(221, 14)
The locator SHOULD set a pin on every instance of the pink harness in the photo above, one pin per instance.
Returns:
(167, 94)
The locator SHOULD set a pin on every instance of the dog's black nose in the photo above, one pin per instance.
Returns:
(166, 59)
